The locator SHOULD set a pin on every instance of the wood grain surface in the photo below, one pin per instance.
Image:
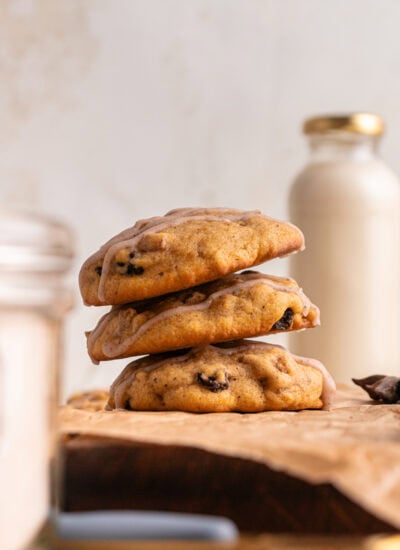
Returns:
(105, 473)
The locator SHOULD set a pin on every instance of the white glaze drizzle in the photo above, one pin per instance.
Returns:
(151, 223)
(131, 236)
(111, 349)
(329, 386)
(128, 374)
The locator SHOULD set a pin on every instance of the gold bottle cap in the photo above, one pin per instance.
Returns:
(368, 124)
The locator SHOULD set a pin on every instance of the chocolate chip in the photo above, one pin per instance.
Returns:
(120, 264)
(98, 269)
(128, 405)
(133, 269)
(212, 383)
(380, 387)
(131, 255)
(285, 321)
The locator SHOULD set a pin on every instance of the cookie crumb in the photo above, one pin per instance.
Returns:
(133, 269)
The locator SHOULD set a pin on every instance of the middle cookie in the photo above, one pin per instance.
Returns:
(237, 306)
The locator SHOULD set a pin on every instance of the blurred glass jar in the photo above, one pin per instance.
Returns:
(347, 202)
(35, 253)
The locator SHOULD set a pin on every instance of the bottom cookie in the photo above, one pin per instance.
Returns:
(241, 376)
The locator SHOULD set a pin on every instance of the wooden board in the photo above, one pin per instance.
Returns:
(105, 473)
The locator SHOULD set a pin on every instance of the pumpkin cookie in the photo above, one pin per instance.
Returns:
(184, 248)
(234, 307)
(243, 376)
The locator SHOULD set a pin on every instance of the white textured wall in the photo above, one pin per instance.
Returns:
(110, 111)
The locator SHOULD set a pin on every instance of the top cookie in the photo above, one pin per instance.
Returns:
(184, 248)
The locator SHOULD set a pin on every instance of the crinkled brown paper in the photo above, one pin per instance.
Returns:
(355, 446)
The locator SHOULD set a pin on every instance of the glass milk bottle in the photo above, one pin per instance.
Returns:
(35, 253)
(347, 202)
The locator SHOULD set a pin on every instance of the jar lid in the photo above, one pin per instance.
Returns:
(34, 243)
(368, 124)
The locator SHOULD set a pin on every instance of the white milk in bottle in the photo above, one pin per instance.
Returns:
(347, 203)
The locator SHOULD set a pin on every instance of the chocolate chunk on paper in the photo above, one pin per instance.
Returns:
(380, 387)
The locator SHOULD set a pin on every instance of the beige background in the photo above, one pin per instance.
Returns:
(114, 110)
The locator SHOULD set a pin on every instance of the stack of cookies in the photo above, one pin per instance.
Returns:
(176, 298)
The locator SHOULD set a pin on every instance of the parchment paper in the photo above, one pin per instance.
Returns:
(355, 446)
